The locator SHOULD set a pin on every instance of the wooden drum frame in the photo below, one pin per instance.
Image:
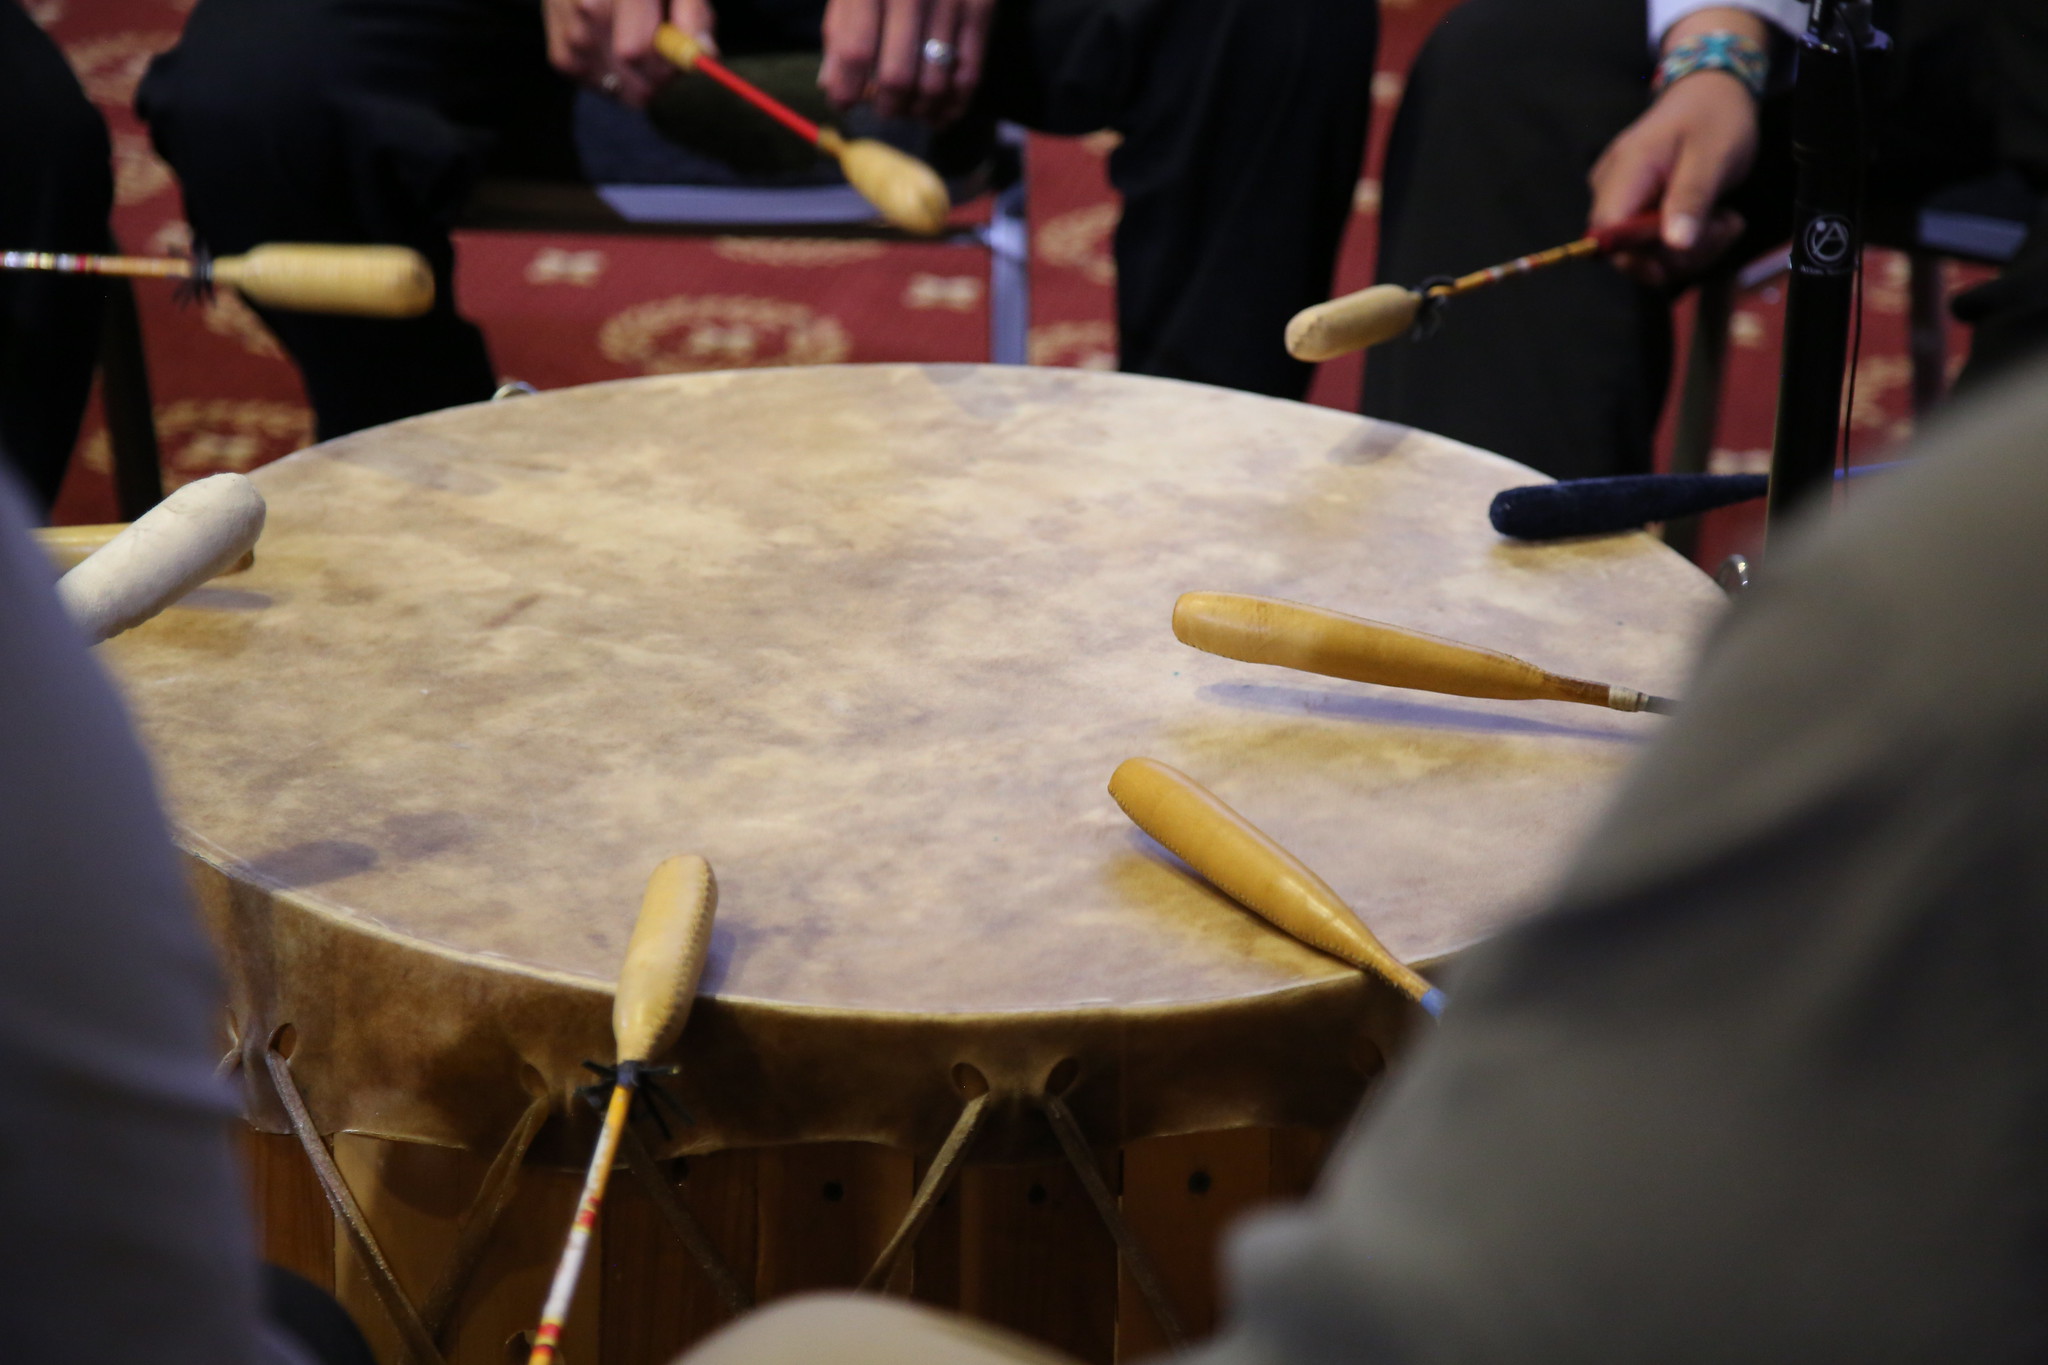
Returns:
(871, 640)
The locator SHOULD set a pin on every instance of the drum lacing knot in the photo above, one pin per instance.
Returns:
(649, 1095)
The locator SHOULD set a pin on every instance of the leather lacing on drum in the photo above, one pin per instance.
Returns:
(424, 1334)
(945, 1168)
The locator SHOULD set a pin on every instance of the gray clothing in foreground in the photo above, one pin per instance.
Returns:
(124, 1231)
(1769, 1080)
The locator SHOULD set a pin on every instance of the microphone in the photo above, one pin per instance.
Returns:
(1627, 502)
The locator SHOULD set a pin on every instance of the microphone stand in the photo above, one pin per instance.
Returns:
(1837, 59)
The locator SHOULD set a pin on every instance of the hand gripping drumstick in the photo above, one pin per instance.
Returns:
(908, 193)
(366, 281)
(195, 534)
(664, 959)
(1385, 311)
(1241, 862)
(1265, 630)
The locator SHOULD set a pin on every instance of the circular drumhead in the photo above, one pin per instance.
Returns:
(871, 640)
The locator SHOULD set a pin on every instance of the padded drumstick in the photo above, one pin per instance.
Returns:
(195, 534)
(905, 191)
(1385, 311)
(1239, 860)
(69, 546)
(664, 960)
(1627, 502)
(1265, 630)
(366, 281)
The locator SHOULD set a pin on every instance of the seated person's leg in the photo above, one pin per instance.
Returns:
(2011, 314)
(312, 1320)
(1235, 195)
(1507, 109)
(56, 189)
(863, 1329)
(354, 121)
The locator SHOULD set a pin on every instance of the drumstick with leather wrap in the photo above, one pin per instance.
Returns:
(1266, 630)
(906, 192)
(302, 277)
(1239, 860)
(664, 959)
(1386, 311)
(197, 533)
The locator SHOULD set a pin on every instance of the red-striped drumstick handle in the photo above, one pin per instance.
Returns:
(689, 54)
(570, 1267)
(67, 263)
(907, 193)
(1641, 230)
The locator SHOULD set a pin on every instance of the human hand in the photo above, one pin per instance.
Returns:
(1693, 144)
(877, 49)
(609, 44)
(1698, 140)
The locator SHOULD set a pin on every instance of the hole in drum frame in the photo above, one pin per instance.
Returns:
(969, 1081)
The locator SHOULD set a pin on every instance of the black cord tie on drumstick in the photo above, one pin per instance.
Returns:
(1435, 292)
(196, 288)
(649, 1095)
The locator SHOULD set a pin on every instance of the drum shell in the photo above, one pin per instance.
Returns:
(418, 1041)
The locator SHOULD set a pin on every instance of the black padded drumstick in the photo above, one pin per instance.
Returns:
(1626, 502)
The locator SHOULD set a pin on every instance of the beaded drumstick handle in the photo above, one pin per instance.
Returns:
(1386, 311)
(664, 960)
(1265, 630)
(1244, 864)
(306, 277)
(907, 193)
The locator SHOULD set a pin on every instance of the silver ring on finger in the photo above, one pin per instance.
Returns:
(938, 52)
(611, 84)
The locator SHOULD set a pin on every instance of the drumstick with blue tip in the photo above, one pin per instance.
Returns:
(664, 960)
(1266, 630)
(1239, 860)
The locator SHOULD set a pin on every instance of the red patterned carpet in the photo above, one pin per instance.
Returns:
(569, 310)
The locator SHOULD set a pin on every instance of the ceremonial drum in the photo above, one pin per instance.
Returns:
(871, 640)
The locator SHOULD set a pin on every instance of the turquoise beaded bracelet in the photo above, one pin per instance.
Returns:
(1740, 56)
